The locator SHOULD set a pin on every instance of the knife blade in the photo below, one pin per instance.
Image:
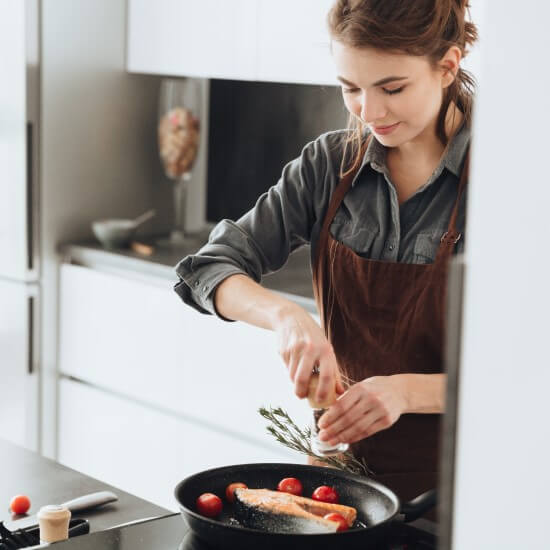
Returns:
(86, 502)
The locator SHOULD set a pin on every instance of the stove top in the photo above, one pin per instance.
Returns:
(171, 533)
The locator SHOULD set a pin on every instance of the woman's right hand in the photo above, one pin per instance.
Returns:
(303, 346)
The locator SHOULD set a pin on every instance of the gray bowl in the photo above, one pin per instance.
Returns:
(114, 233)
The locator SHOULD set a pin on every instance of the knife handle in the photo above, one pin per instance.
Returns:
(90, 501)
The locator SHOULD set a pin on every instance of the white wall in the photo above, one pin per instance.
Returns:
(472, 61)
(503, 454)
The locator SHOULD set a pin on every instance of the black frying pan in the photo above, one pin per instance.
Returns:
(377, 506)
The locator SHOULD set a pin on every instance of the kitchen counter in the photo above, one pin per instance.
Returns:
(45, 481)
(293, 280)
(171, 533)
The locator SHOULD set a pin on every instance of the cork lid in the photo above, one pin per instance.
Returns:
(313, 403)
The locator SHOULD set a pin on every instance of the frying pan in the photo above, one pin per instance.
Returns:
(377, 506)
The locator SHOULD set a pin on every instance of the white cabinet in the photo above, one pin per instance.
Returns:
(18, 341)
(143, 450)
(210, 38)
(284, 41)
(139, 340)
(293, 42)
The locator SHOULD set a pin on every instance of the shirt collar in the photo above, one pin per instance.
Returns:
(453, 157)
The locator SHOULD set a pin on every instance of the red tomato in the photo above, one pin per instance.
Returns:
(20, 504)
(340, 520)
(230, 490)
(209, 505)
(325, 494)
(290, 485)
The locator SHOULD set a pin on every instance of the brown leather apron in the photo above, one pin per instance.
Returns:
(386, 318)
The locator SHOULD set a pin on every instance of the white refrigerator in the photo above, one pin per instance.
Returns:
(19, 223)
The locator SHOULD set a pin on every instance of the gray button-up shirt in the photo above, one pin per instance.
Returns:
(290, 214)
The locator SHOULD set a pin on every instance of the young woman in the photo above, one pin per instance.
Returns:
(383, 206)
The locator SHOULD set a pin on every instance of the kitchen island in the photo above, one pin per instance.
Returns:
(45, 481)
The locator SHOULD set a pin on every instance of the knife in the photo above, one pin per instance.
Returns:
(93, 500)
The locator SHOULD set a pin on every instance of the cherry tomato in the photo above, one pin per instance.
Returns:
(325, 494)
(19, 504)
(290, 485)
(340, 520)
(230, 490)
(209, 505)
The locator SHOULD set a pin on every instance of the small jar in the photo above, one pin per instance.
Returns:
(53, 520)
(321, 448)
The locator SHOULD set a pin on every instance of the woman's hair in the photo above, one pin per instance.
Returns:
(418, 27)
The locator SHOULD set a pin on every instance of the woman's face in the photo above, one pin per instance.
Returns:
(410, 100)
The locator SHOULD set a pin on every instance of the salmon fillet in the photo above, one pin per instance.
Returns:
(280, 512)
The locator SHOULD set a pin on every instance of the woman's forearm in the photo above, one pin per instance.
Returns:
(424, 393)
(240, 298)
(302, 343)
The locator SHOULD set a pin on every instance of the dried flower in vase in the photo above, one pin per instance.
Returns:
(178, 137)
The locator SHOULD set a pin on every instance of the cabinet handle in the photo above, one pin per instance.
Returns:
(30, 335)
(30, 197)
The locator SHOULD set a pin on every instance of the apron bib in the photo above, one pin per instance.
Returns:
(385, 318)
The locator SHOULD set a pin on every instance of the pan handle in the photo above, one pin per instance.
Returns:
(418, 506)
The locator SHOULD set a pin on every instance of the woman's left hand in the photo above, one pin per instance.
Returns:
(367, 407)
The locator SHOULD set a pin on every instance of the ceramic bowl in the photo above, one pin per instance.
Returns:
(114, 233)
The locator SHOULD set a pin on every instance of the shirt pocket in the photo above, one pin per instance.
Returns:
(426, 246)
(357, 234)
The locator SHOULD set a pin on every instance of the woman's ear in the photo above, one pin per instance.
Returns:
(450, 64)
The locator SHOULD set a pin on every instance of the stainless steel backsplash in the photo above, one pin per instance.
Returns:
(255, 129)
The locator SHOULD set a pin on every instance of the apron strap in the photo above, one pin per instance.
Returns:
(339, 193)
(321, 251)
(336, 199)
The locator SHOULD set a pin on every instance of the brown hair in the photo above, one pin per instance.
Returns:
(418, 27)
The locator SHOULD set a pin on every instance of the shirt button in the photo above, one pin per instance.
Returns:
(197, 283)
(391, 247)
(204, 288)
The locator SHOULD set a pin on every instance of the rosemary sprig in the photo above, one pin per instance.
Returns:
(286, 432)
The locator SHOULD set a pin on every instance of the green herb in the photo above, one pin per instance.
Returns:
(286, 432)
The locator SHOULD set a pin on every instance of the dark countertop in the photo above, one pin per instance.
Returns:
(293, 280)
(171, 533)
(45, 481)
(166, 533)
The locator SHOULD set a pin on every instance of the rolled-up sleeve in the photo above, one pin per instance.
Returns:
(261, 240)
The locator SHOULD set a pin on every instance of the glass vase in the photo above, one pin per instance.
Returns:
(178, 140)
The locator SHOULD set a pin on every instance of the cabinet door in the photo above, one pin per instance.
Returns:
(293, 42)
(19, 400)
(140, 340)
(143, 450)
(210, 38)
(14, 191)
